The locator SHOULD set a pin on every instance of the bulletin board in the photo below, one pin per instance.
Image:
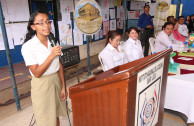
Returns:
(17, 10)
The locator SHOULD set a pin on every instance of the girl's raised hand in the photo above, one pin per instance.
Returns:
(56, 51)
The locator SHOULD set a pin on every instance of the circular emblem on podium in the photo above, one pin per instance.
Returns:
(88, 16)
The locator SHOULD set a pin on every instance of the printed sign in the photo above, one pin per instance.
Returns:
(88, 16)
(149, 82)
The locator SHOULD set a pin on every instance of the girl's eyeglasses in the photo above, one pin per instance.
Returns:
(42, 23)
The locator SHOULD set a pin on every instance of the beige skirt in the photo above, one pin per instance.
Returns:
(46, 102)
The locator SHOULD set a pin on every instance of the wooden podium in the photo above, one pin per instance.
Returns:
(128, 95)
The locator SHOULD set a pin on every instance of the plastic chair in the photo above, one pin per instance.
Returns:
(152, 42)
(101, 61)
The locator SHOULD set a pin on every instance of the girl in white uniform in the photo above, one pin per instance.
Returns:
(132, 46)
(113, 55)
(47, 85)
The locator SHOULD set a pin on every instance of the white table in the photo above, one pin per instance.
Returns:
(180, 95)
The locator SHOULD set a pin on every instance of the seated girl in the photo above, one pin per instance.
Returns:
(132, 46)
(113, 55)
(175, 36)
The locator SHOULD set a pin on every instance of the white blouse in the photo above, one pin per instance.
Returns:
(34, 52)
(111, 57)
(133, 49)
(163, 42)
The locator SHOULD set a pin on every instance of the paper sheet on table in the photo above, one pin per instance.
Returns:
(186, 54)
(185, 58)
(9, 37)
(185, 66)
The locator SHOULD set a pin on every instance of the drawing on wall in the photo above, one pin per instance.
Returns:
(137, 5)
(96, 36)
(117, 2)
(65, 33)
(78, 37)
(105, 14)
(122, 13)
(121, 24)
(118, 23)
(9, 38)
(100, 34)
(152, 9)
(19, 36)
(113, 24)
(118, 12)
(112, 13)
(105, 27)
(66, 8)
(105, 3)
(133, 14)
(111, 3)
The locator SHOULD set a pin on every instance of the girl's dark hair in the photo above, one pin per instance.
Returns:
(111, 35)
(30, 31)
(130, 29)
(167, 23)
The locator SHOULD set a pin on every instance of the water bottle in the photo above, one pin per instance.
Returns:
(186, 42)
(171, 48)
(171, 59)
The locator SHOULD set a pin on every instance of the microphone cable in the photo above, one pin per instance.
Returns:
(31, 124)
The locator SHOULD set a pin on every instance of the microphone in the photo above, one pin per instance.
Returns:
(52, 41)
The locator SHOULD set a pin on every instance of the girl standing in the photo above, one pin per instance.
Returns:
(47, 85)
